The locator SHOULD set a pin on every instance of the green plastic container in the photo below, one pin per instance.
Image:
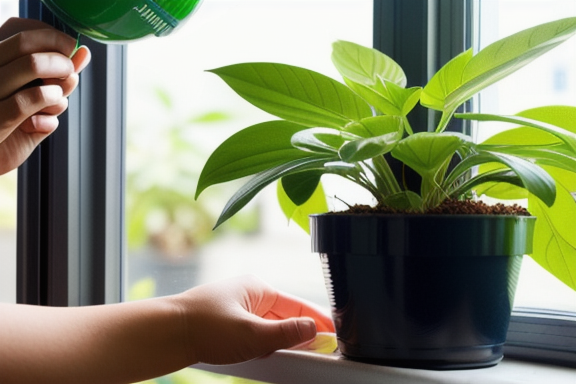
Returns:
(113, 21)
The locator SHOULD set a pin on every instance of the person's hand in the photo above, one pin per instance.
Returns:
(243, 318)
(36, 77)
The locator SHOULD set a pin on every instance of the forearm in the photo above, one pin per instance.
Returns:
(120, 343)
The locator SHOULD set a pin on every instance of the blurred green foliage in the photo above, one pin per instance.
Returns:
(163, 166)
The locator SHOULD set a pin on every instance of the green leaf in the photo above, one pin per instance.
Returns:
(567, 137)
(364, 65)
(249, 151)
(402, 98)
(320, 140)
(555, 236)
(385, 132)
(463, 77)
(540, 146)
(426, 152)
(447, 80)
(375, 126)
(500, 183)
(535, 179)
(295, 94)
(300, 186)
(364, 149)
(251, 188)
(315, 203)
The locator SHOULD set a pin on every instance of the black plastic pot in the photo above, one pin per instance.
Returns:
(422, 291)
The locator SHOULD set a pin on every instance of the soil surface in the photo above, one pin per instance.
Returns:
(449, 207)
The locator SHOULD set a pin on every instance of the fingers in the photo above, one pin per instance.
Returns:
(15, 25)
(23, 70)
(286, 306)
(18, 108)
(81, 58)
(284, 334)
(27, 42)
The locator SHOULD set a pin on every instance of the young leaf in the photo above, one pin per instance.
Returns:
(249, 151)
(295, 94)
(365, 65)
(426, 152)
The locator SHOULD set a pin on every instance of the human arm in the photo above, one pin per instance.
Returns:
(36, 77)
(220, 323)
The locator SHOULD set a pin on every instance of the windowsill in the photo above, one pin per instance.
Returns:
(296, 367)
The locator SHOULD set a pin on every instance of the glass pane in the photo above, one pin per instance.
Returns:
(8, 8)
(549, 80)
(178, 113)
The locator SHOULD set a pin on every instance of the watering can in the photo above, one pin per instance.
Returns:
(120, 21)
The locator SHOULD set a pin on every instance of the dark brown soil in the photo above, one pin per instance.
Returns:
(449, 207)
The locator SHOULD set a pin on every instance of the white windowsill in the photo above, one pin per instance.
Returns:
(295, 367)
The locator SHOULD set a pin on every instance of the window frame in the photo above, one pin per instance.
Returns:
(70, 237)
(70, 240)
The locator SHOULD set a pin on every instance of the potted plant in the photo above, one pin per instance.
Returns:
(425, 277)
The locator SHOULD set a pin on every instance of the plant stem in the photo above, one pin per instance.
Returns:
(384, 175)
(407, 125)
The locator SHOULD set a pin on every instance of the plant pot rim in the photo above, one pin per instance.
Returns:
(423, 235)
(451, 216)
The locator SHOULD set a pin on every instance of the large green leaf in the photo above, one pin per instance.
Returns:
(542, 147)
(249, 151)
(462, 78)
(251, 188)
(313, 204)
(555, 236)
(365, 65)
(295, 93)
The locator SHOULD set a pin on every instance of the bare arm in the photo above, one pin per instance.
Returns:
(221, 323)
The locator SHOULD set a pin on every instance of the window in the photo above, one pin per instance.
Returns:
(75, 181)
(550, 80)
(177, 113)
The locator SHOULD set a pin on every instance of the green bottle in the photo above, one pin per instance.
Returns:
(123, 20)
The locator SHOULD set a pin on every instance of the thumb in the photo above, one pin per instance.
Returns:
(284, 334)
